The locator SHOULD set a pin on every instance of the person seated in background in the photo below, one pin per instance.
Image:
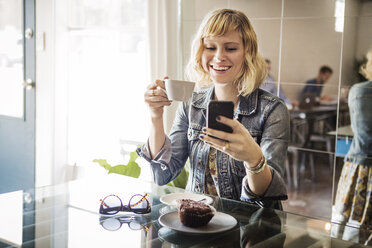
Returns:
(270, 86)
(315, 85)
(353, 202)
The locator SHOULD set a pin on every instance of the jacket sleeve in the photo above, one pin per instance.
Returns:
(274, 145)
(170, 160)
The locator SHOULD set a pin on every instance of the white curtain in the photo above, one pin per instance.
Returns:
(164, 46)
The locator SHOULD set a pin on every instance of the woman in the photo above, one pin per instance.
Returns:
(353, 202)
(247, 164)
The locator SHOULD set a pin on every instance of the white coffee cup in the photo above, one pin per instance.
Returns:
(179, 90)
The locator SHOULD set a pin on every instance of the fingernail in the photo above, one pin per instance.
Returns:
(218, 118)
(204, 129)
(201, 136)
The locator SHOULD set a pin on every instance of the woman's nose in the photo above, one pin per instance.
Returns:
(219, 55)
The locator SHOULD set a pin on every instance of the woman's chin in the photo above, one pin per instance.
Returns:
(221, 83)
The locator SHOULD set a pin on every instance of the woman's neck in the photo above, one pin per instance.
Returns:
(226, 93)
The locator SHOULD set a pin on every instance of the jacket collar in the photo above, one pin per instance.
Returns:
(247, 104)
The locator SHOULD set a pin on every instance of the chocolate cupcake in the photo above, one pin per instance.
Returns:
(193, 213)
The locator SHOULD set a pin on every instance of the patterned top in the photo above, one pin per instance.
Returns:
(211, 180)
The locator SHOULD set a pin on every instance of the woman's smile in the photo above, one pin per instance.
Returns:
(220, 68)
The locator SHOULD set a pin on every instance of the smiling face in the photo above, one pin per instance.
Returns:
(222, 57)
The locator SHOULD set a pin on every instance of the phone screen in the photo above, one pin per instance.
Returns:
(216, 108)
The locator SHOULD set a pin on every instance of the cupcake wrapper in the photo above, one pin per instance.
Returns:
(193, 220)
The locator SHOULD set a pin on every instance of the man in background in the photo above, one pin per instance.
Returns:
(270, 86)
(315, 86)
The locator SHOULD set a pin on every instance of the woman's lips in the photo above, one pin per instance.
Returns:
(220, 69)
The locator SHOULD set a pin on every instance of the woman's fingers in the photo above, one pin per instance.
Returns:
(228, 147)
(238, 144)
(159, 104)
(218, 134)
(234, 124)
(161, 83)
(155, 93)
(156, 98)
(157, 84)
(156, 89)
(222, 145)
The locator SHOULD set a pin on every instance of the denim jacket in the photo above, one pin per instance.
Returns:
(263, 114)
(360, 97)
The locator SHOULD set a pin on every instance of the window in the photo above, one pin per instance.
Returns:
(339, 14)
(107, 75)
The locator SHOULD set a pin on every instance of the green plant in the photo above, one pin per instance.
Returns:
(132, 169)
(181, 180)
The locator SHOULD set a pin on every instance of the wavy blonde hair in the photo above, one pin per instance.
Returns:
(221, 22)
(366, 69)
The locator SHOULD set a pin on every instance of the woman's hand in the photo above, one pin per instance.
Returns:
(156, 98)
(239, 144)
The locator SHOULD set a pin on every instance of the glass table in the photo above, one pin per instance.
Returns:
(66, 215)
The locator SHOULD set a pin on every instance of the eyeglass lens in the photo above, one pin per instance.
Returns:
(111, 204)
(111, 224)
(139, 204)
(114, 224)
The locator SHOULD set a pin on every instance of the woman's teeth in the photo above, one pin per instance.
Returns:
(222, 68)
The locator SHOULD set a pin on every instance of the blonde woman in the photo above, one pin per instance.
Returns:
(353, 202)
(247, 164)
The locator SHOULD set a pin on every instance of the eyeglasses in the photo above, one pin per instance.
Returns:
(114, 224)
(112, 204)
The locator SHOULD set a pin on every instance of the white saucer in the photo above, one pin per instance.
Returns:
(171, 199)
(219, 223)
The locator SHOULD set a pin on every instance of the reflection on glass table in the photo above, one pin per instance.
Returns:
(115, 223)
(67, 215)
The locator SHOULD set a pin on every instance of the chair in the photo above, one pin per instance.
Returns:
(324, 125)
(292, 159)
(299, 130)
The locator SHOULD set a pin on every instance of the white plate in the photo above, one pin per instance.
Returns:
(171, 199)
(219, 223)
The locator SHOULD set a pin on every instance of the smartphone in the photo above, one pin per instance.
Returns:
(216, 108)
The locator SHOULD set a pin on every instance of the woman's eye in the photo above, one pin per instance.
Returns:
(231, 49)
(210, 48)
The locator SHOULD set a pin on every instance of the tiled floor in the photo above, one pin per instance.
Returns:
(313, 198)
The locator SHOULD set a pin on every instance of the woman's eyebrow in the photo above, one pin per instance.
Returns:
(225, 43)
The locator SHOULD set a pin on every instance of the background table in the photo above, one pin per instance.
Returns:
(309, 131)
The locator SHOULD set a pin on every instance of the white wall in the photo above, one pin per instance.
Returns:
(364, 33)
(350, 41)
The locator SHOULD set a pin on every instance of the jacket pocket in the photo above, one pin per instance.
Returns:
(193, 132)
